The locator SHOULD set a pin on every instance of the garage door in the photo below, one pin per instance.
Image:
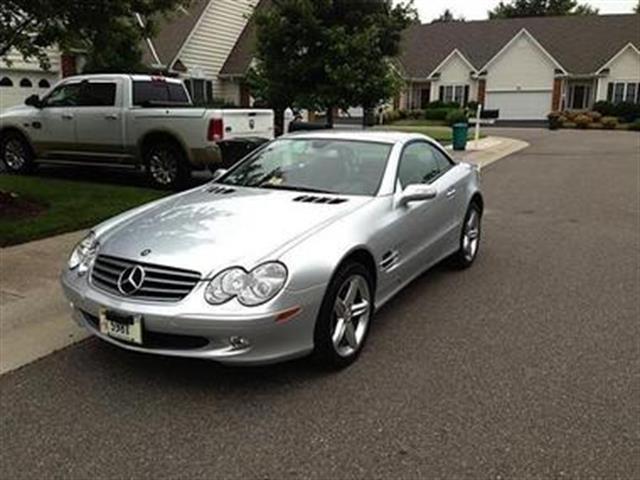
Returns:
(16, 86)
(520, 105)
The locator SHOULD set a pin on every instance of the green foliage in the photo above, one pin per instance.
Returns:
(583, 121)
(319, 54)
(456, 116)
(540, 8)
(448, 17)
(626, 111)
(635, 126)
(637, 8)
(106, 30)
(440, 113)
(609, 123)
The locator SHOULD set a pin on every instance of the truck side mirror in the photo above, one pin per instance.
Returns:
(33, 101)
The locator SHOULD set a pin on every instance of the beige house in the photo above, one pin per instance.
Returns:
(524, 67)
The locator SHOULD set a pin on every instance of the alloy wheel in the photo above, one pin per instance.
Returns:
(351, 314)
(471, 236)
(163, 166)
(15, 154)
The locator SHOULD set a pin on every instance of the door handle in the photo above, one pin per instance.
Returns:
(451, 192)
(111, 116)
(67, 116)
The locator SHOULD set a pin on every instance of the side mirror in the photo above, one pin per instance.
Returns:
(33, 101)
(219, 173)
(417, 193)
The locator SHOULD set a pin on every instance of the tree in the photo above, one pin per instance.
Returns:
(107, 30)
(447, 17)
(541, 8)
(637, 9)
(321, 54)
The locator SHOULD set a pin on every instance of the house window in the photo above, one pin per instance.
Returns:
(618, 92)
(26, 83)
(44, 83)
(6, 82)
(454, 93)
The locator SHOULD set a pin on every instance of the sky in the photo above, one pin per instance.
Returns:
(477, 9)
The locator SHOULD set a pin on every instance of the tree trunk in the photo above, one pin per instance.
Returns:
(330, 117)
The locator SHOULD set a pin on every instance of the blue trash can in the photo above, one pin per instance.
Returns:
(460, 134)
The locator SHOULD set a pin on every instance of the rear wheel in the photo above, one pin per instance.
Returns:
(167, 166)
(345, 316)
(16, 152)
(469, 238)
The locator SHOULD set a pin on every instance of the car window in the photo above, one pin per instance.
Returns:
(420, 163)
(322, 165)
(67, 95)
(98, 94)
(158, 91)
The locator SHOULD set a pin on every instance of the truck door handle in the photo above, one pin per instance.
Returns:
(111, 116)
(67, 116)
(451, 192)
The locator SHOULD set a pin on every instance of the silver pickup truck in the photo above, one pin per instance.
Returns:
(128, 120)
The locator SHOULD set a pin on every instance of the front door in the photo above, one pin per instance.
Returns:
(53, 128)
(579, 96)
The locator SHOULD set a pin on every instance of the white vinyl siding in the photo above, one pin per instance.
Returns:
(454, 72)
(213, 39)
(624, 69)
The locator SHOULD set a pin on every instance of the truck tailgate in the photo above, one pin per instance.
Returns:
(248, 123)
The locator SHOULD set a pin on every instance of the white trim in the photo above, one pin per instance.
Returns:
(524, 31)
(615, 57)
(190, 36)
(521, 90)
(444, 62)
(149, 43)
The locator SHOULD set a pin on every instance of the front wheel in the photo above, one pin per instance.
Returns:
(469, 238)
(16, 153)
(345, 316)
(166, 166)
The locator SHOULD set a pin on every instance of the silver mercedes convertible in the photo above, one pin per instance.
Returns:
(287, 254)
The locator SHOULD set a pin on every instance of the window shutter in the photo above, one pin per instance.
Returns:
(466, 95)
(441, 94)
(610, 92)
(209, 88)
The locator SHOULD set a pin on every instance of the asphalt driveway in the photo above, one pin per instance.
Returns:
(525, 366)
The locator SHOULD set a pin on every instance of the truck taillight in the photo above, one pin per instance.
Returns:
(216, 130)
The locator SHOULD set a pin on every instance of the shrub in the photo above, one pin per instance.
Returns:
(390, 116)
(626, 111)
(402, 114)
(554, 120)
(595, 126)
(569, 124)
(437, 113)
(610, 123)
(582, 121)
(562, 120)
(635, 126)
(456, 116)
(441, 104)
(415, 114)
(606, 109)
(595, 116)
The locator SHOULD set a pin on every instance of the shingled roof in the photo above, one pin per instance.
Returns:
(581, 44)
(173, 31)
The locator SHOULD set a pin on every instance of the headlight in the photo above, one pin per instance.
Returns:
(83, 254)
(253, 288)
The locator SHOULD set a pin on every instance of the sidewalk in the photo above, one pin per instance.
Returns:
(34, 317)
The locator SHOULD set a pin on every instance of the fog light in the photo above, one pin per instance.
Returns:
(239, 343)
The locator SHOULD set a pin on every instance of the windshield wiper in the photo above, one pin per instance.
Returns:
(295, 188)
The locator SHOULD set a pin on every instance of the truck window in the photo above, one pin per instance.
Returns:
(98, 94)
(66, 95)
(158, 91)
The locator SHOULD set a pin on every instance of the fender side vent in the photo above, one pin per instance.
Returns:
(218, 190)
(321, 200)
(389, 261)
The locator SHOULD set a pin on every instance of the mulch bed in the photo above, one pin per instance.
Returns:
(13, 206)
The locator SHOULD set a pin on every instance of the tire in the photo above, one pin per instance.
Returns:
(16, 153)
(167, 166)
(339, 340)
(469, 238)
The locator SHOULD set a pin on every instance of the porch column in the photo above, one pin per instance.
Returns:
(557, 94)
(482, 91)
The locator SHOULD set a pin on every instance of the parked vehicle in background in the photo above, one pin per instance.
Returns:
(132, 120)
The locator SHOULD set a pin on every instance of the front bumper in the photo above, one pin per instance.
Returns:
(192, 328)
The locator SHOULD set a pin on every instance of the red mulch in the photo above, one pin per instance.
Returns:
(14, 206)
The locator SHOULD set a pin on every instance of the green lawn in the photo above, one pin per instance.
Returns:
(67, 206)
(440, 133)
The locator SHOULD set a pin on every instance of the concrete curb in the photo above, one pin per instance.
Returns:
(489, 150)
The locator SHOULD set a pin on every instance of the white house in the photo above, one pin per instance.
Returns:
(523, 67)
(193, 43)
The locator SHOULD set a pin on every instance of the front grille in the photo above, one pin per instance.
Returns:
(164, 284)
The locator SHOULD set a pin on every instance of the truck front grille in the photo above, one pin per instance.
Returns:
(158, 283)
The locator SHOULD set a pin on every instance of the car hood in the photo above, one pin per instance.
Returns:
(207, 230)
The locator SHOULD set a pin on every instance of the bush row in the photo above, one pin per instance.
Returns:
(593, 120)
(626, 111)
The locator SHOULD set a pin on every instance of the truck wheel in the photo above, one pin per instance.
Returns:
(167, 166)
(17, 155)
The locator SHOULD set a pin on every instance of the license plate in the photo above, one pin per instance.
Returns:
(121, 327)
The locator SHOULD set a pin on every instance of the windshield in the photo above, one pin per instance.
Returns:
(315, 165)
